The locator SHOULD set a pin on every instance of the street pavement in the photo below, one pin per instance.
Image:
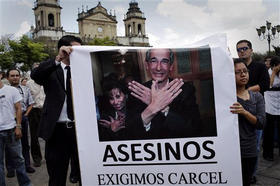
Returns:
(40, 177)
(268, 173)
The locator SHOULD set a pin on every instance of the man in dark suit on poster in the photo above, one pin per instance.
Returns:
(57, 121)
(168, 106)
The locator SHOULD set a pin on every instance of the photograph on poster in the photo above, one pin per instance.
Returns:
(182, 137)
(154, 93)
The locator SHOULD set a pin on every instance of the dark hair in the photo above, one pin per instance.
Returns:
(275, 61)
(267, 57)
(8, 72)
(108, 86)
(148, 55)
(245, 41)
(3, 74)
(67, 40)
(239, 60)
(23, 79)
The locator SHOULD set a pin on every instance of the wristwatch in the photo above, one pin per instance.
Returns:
(18, 126)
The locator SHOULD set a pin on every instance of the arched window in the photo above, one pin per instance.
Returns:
(139, 30)
(129, 30)
(51, 20)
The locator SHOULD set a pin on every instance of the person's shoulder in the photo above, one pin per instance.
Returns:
(30, 82)
(256, 95)
(25, 88)
(12, 90)
(259, 64)
(9, 87)
(188, 85)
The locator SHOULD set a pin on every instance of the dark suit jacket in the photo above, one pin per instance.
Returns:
(183, 119)
(51, 77)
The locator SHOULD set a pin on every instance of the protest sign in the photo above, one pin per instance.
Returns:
(194, 141)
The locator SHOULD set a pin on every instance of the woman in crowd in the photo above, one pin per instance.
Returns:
(112, 122)
(272, 109)
(251, 116)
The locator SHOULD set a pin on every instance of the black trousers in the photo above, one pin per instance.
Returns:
(268, 137)
(25, 147)
(59, 149)
(34, 120)
(248, 166)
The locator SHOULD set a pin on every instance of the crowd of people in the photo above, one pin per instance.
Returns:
(160, 108)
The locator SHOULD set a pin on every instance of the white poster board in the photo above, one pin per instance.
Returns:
(211, 159)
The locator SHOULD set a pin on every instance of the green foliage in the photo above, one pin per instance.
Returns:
(6, 60)
(23, 53)
(277, 50)
(102, 42)
(258, 57)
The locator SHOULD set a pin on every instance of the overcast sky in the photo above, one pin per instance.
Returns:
(168, 22)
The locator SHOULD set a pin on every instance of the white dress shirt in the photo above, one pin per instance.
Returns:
(272, 98)
(63, 115)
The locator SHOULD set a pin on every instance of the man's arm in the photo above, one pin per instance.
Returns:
(41, 73)
(264, 79)
(29, 108)
(30, 102)
(275, 70)
(255, 88)
(18, 120)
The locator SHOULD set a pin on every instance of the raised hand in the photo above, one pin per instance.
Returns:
(140, 92)
(276, 68)
(63, 54)
(114, 124)
(161, 98)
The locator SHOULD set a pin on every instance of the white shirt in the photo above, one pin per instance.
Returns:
(272, 98)
(63, 115)
(37, 93)
(9, 96)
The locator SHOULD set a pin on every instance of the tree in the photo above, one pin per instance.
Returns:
(277, 50)
(6, 60)
(102, 42)
(25, 53)
(258, 56)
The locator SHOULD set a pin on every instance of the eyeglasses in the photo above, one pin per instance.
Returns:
(245, 71)
(242, 49)
(154, 61)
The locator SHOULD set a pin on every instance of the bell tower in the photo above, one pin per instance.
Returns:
(47, 16)
(134, 21)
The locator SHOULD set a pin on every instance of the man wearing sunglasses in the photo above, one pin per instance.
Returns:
(258, 80)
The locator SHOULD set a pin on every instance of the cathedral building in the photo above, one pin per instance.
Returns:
(93, 23)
